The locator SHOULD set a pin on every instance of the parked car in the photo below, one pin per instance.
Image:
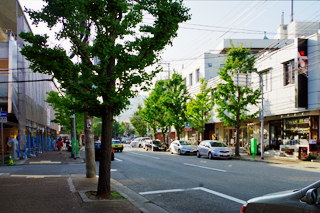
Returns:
(117, 145)
(214, 149)
(138, 142)
(182, 147)
(126, 140)
(156, 145)
(301, 200)
(97, 150)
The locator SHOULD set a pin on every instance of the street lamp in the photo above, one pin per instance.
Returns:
(261, 110)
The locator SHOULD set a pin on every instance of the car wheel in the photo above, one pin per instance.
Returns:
(171, 151)
(139, 145)
(179, 152)
(147, 149)
(210, 156)
(198, 154)
(121, 150)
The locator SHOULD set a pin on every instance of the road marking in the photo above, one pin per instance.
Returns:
(203, 167)
(43, 162)
(144, 155)
(193, 189)
(117, 159)
(71, 186)
(222, 195)
(36, 176)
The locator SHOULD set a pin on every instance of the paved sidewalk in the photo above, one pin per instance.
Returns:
(22, 193)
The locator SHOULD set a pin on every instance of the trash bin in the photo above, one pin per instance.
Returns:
(253, 143)
(303, 153)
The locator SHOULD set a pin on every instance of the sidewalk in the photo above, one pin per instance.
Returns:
(22, 193)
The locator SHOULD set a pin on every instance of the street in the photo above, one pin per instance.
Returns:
(181, 183)
(190, 184)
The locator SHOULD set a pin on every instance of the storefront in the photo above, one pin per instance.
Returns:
(230, 135)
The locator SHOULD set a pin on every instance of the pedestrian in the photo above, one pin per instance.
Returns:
(60, 145)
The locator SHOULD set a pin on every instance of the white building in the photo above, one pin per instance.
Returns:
(290, 66)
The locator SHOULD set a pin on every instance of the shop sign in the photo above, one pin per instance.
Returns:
(313, 141)
(187, 128)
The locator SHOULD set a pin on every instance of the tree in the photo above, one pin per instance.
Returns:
(97, 126)
(123, 44)
(138, 123)
(116, 128)
(155, 110)
(231, 100)
(175, 102)
(62, 112)
(122, 129)
(199, 107)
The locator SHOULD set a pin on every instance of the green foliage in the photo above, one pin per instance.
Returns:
(116, 129)
(199, 107)
(175, 102)
(124, 45)
(62, 112)
(122, 129)
(97, 126)
(154, 111)
(138, 123)
(232, 101)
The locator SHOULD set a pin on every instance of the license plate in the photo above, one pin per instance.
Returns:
(116, 146)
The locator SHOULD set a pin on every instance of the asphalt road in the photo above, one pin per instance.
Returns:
(187, 183)
(190, 184)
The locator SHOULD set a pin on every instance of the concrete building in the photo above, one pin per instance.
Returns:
(22, 95)
(290, 66)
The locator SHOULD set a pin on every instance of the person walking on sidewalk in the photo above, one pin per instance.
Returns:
(60, 145)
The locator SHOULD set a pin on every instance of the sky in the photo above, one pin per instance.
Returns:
(213, 20)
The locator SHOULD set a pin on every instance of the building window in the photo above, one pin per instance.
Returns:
(288, 72)
(266, 75)
(198, 75)
(190, 79)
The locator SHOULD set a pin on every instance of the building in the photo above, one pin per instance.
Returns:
(290, 66)
(22, 95)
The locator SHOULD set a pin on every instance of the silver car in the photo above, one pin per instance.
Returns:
(293, 201)
(182, 147)
(214, 149)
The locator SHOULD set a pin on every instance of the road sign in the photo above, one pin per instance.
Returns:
(3, 117)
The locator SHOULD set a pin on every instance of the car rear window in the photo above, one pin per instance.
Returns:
(116, 142)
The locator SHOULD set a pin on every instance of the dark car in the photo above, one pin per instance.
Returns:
(97, 150)
(156, 145)
(301, 200)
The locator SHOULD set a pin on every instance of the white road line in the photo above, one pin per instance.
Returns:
(203, 167)
(144, 155)
(117, 159)
(37, 176)
(196, 188)
(222, 195)
(163, 191)
(71, 186)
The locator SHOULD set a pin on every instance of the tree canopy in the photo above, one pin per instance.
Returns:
(231, 100)
(114, 33)
(140, 126)
(198, 108)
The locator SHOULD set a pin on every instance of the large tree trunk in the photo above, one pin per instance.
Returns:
(104, 188)
(90, 154)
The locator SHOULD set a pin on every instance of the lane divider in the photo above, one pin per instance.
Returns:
(203, 167)
(144, 155)
(193, 189)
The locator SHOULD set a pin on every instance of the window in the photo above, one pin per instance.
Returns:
(190, 79)
(288, 72)
(198, 75)
(266, 76)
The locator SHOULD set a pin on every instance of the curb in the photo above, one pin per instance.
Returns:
(137, 200)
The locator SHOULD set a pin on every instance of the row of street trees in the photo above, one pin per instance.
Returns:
(170, 104)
